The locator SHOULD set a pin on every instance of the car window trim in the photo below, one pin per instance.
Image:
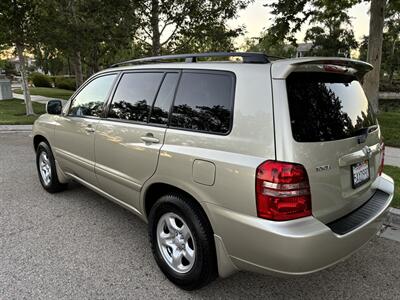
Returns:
(173, 97)
(85, 84)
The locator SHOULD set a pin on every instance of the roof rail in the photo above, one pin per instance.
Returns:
(248, 57)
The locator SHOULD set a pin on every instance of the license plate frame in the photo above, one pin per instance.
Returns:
(360, 169)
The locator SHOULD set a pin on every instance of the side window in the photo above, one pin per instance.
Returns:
(90, 100)
(134, 96)
(160, 110)
(204, 102)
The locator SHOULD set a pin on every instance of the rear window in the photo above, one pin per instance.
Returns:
(327, 107)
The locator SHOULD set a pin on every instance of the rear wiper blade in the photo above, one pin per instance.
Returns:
(363, 133)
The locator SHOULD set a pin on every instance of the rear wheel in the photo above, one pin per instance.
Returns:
(46, 167)
(182, 242)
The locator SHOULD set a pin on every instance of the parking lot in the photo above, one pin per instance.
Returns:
(79, 245)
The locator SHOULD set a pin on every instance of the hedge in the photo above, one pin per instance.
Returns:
(40, 80)
(65, 83)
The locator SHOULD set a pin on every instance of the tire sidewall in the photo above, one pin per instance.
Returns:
(170, 203)
(44, 147)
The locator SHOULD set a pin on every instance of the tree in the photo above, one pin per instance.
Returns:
(391, 38)
(269, 45)
(330, 33)
(177, 25)
(17, 23)
(290, 15)
(8, 67)
(374, 55)
(390, 61)
(86, 31)
(329, 37)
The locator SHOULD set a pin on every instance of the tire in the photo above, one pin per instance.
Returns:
(197, 264)
(45, 164)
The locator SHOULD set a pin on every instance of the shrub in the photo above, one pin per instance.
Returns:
(65, 83)
(40, 80)
(386, 87)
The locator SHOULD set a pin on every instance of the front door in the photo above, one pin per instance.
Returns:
(74, 130)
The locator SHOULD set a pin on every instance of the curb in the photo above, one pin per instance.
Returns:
(394, 217)
(15, 128)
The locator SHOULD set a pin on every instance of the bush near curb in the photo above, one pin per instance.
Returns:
(65, 83)
(40, 80)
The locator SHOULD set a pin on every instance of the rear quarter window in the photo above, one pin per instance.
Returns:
(204, 102)
(327, 107)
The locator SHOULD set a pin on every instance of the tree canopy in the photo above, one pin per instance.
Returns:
(83, 36)
(187, 25)
(329, 24)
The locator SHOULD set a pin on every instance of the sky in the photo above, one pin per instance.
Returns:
(257, 18)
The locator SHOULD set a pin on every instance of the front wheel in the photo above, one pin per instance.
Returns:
(182, 242)
(46, 167)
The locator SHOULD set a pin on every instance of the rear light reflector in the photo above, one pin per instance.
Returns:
(380, 170)
(282, 191)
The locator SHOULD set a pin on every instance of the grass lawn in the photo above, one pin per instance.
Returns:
(48, 92)
(389, 120)
(394, 172)
(12, 112)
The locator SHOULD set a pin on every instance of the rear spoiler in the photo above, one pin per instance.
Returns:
(281, 69)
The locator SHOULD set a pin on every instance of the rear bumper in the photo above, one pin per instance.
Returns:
(294, 247)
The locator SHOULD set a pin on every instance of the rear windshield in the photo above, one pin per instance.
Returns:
(327, 107)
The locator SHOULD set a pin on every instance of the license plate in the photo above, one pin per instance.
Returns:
(360, 173)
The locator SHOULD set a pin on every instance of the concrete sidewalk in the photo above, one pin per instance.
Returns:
(37, 98)
(392, 156)
(15, 128)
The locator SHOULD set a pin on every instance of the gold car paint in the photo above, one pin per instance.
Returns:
(124, 161)
(291, 247)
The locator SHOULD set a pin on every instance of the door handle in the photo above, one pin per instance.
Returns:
(149, 138)
(89, 129)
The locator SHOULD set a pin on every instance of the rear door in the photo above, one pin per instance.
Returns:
(128, 141)
(329, 127)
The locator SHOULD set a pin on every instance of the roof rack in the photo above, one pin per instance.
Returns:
(248, 57)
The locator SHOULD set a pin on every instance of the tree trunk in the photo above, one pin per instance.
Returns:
(25, 88)
(76, 59)
(69, 66)
(374, 56)
(156, 44)
(78, 69)
(392, 61)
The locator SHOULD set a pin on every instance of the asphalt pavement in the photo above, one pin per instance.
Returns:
(78, 245)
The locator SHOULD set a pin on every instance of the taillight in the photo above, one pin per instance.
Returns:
(282, 191)
(380, 170)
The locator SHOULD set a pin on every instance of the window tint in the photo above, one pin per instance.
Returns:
(327, 107)
(160, 111)
(90, 100)
(134, 96)
(204, 102)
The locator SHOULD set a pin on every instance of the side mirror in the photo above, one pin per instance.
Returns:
(54, 107)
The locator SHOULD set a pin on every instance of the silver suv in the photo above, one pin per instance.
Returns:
(257, 165)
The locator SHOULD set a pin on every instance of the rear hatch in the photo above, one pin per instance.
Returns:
(324, 121)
